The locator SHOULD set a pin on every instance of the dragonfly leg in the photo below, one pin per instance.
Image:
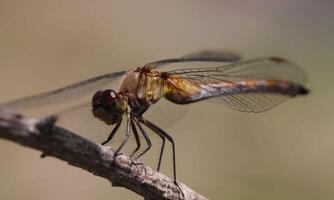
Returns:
(127, 135)
(164, 135)
(145, 122)
(135, 132)
(147, 139)
(111, 135)
(161, 151)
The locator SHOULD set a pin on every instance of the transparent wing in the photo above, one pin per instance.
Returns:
(271, 68)
(201, 56)
(80, 119)
(256, 69)
(63, 98)
(165, 113)
(251, 102)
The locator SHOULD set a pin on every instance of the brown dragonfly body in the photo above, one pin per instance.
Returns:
(144, 86)
(254, 85)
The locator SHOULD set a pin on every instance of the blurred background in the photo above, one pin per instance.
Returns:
(285, 153)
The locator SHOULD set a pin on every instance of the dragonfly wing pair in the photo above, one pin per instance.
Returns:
(250, 86)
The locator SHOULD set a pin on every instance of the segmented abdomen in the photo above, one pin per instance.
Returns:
(183, 91)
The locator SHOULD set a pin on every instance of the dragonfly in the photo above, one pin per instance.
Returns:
(253, 85)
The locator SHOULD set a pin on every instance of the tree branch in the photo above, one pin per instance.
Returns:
(43, 135)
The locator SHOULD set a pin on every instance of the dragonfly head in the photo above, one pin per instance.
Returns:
(108, 106)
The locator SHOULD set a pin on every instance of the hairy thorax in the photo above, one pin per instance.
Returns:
(147, 85)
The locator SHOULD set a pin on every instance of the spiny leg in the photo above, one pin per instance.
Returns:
(135, 132)
(127, 135)
(114, 130)
(162, 133)
(163, 139)
(162, 144)
(161, 150)
(147, 139)
(141, 120)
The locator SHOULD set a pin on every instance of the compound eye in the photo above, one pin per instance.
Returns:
(97, 95)
(96, 98)
(109, 98)
(112, 94)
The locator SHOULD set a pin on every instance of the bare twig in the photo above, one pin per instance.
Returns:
(55, 141)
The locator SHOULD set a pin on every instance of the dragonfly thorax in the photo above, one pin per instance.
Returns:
(108, 106)
(145, 84)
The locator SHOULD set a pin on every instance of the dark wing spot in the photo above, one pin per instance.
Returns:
(277, 59)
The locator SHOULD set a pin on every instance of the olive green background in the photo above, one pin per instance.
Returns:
(285, 153)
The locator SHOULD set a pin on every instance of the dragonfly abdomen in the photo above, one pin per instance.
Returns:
(200, 91)
(263, 86)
